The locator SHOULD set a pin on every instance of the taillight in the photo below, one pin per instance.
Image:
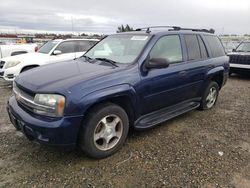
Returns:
(36, 49)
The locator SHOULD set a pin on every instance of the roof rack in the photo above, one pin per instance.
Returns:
(153, 27)
(172, 28)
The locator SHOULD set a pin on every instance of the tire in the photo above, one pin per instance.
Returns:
(209, 102)
(104, 131)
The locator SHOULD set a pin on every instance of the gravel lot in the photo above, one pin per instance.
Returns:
(198, 149)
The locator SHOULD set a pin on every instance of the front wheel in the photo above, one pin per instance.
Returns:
(210, 96)
(104, 131)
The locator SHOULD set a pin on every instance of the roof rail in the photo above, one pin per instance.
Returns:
(192, 29)
(153, 27)
(172, 28)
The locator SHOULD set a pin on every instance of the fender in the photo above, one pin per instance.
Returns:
(213, 71)
(210, 75)
(31, 65)
(122, 90)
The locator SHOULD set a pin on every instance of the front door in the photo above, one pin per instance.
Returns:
(68, 49)
(165, 87)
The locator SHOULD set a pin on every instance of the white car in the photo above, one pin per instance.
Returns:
(7, 50)
(51, 52)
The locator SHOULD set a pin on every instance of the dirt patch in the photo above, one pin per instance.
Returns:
(198, 149)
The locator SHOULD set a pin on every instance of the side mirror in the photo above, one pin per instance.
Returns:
(57, 52)
(234, 50)
(157, 63)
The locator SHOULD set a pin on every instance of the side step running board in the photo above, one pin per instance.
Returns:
(162, 115)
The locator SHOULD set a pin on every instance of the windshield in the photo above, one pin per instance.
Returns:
(244, 47)
(48, 46)
(119, 48)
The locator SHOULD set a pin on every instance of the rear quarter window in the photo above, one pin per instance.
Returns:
(216, 47)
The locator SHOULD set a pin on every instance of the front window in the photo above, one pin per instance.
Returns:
(169, 48)
(48, 46)
(244, 47)
(123, 48)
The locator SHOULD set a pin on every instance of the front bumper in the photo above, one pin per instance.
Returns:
(1, 73)
(8, 74)
(61, 132)
(239, 66)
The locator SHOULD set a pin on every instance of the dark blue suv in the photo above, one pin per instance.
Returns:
(134, 79)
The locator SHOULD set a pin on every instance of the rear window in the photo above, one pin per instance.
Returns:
(215, 45)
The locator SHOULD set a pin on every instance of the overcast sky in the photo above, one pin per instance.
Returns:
(104, 16)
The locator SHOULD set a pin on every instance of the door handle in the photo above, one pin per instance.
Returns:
(183, 73)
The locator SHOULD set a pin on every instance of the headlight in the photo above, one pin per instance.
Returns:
(49, 104)
(9, 64)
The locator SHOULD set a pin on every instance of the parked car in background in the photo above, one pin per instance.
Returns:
(230, 45)
(132, 79)
(7, 50)
(51, 52)
(240, 59)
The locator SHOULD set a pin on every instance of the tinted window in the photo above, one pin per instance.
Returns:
(193, 48)
(67, 47)
(169, 48)
(202, 48)
(215, 45)
(83, 46)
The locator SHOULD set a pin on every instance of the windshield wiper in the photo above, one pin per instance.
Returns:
(108, 61)
(86, 57)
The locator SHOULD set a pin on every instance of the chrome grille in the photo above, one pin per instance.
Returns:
(27, 101)
(240, 59)
(23, 97)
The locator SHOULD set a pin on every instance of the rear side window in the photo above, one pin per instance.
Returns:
(67, 47)
(169, 48)
(193, 48)
(83, 46)
(215, 45)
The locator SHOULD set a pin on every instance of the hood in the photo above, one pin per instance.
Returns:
(27, 57)
(60, 76)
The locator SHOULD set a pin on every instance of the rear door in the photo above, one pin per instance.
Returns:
(197, 65)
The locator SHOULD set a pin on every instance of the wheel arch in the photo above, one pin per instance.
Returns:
(216, 75)
(29, 66)
(18, 52)
(125, 98)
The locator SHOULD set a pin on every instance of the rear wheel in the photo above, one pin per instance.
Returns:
(210, 96)
(104, 131)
